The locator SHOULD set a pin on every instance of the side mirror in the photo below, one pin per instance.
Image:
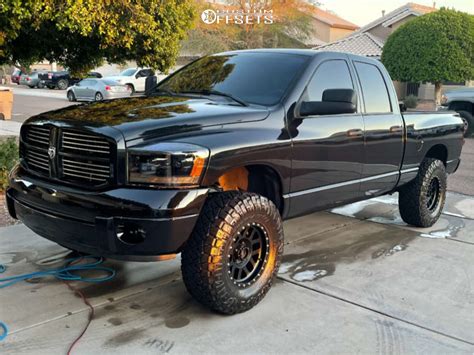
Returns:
(402, 105)
(335, 101)
(78, 84)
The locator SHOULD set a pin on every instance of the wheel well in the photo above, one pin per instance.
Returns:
(439, 151)
(462, 106)
(260, 179)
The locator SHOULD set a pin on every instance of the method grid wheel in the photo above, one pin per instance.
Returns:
(233, 255)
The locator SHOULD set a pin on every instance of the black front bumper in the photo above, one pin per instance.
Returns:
(92, 221)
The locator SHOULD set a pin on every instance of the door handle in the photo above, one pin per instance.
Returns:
(395, 129)
(354, 133)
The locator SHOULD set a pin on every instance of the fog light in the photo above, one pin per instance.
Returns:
(130, 233)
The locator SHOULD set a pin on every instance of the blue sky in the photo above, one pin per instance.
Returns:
(362, 12)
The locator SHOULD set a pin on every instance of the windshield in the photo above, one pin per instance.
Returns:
(128, 72)
(260, 78)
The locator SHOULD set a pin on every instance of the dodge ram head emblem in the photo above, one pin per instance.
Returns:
(51, 152)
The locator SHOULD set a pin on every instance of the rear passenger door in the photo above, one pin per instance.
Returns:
(327, 151)
(383, 138)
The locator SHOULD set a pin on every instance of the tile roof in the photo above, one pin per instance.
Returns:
(364, 44)
(332, 19)
(396, 15)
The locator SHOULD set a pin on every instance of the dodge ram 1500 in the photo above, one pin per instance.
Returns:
(223, 150)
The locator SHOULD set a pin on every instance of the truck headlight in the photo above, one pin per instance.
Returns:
(169, 165)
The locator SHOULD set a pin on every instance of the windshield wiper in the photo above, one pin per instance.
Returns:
(216, 92)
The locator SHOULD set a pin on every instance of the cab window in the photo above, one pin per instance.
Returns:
(332, 74)
(374, 88)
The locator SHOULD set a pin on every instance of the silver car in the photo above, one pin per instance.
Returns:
(32, 80)
(97, 90)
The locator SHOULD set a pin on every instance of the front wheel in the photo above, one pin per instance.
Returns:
(233, 255)
(422, 200)
(70, 96)
(130, 88)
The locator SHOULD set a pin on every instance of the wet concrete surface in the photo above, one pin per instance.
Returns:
(356, 280)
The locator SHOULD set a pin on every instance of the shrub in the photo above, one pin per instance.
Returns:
(411, 101)
(8, 159)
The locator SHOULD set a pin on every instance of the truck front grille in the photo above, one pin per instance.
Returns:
(73, 156)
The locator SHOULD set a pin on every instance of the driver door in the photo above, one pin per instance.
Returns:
(80, 89)
(328, 150)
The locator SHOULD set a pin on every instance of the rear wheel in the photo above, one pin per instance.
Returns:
(422, 200)
(70, 96)
(233, 255)
(98, 96)
(468, 120)
(62, 84)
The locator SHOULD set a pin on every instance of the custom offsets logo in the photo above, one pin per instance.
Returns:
(237, 17)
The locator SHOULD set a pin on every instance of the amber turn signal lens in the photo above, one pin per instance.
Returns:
(198, 167)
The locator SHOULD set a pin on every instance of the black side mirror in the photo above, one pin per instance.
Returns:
(402, 105)
(150, 84)
(335, 101)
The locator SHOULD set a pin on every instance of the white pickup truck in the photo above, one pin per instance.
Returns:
(134, 78)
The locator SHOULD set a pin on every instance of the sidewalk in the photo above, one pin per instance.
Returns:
(9, 128)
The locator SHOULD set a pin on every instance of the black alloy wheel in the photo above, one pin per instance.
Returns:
(249, 254)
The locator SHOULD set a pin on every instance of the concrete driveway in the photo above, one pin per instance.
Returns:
(354, 280)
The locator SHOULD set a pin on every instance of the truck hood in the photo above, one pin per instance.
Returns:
(149, 117)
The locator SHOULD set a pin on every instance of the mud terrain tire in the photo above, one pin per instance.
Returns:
(234, 253)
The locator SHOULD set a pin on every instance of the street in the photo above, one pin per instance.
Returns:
(355, 279)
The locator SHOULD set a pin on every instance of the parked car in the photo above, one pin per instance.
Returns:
(461, 101)
(32, 80)
(134, 78)
(62, 79)
(16, 76)
(225, 149)
(97, 90)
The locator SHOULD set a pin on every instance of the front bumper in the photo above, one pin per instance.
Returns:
(94, 222)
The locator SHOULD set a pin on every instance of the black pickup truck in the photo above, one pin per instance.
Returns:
(62, 79)
(223, 150)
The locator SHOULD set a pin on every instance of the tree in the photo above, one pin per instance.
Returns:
(82, 34)
(433, 48)
(291, 26)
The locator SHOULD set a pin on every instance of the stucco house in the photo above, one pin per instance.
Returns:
(370, 39)
(328, 27)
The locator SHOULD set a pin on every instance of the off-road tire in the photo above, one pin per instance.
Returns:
(469, 121)
(414, 198)
(62, 84)
(205, 261)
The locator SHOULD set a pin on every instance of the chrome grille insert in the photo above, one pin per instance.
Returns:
(81, 158)
(85, 157)
(85, 142)
(38, 135)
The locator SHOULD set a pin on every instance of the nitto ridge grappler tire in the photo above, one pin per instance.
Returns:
(422, 200)
(234, 253)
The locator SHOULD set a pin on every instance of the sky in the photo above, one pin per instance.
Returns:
(362, 12)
